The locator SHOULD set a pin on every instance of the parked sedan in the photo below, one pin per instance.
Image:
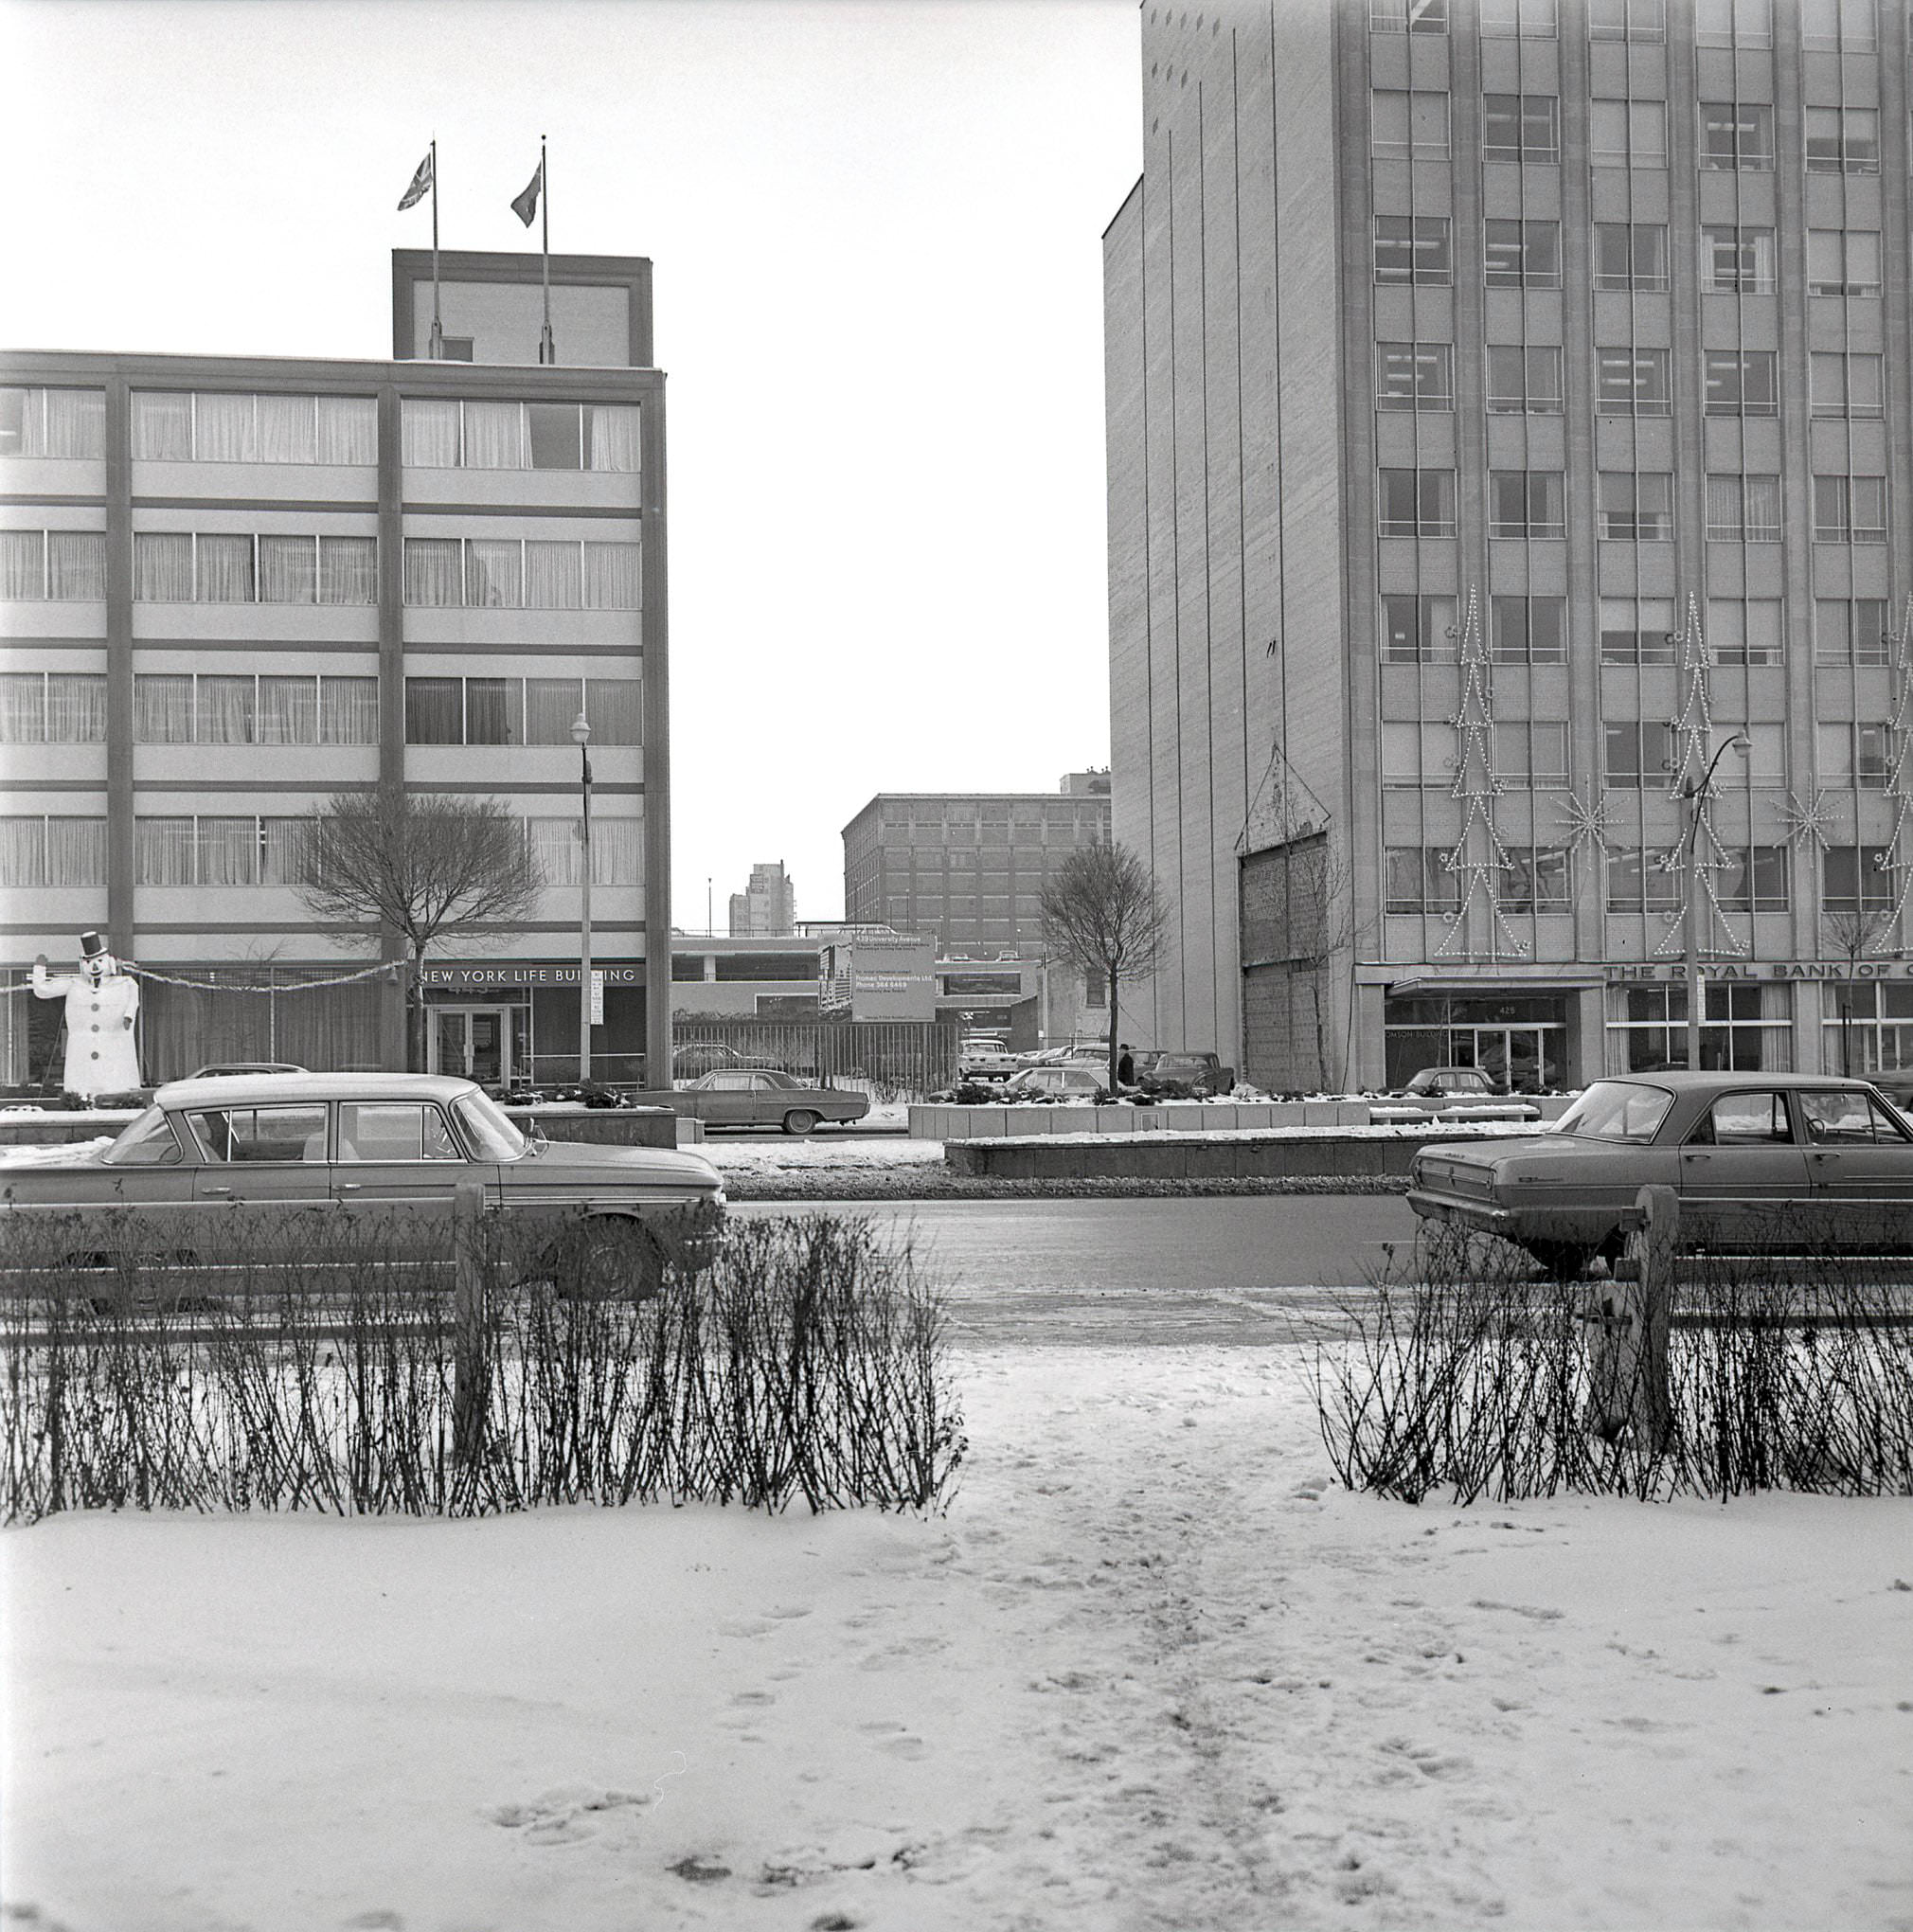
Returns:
(1807, 1160)
(352, 1145)
(757, 1097)
(1056, 1086)
(1178, 1075)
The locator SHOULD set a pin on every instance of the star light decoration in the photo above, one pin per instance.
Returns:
(1808, 821)
(1585, 822)
(1899, 846)
(1478, 856)
(1693, 729)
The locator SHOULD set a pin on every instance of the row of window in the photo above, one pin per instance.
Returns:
(1631, 505)
(1419, 628)
(1417, 377)
(1735, 259)
(1825, 25)
(69, 708)
(246, 850)
(225, 427)
(1424, 879)
(1734, 135)
(1636, 753)
(186, 567)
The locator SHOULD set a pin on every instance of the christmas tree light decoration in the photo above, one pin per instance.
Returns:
(1899, 846)
(1477, 856)
(1694, 750)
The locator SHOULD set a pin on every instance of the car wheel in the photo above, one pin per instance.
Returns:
(616, 1259)
(1566, 1260)
(799, 1120)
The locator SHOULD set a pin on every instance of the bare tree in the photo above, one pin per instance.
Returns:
(1855, 932)
(1103, 914)
(430, 867)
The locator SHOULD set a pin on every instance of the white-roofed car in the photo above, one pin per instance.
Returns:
(208, 1157)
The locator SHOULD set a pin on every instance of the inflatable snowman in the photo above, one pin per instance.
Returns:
(102, 1057)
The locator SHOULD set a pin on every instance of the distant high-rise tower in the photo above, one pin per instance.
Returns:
(1507, 402)
(767, 907)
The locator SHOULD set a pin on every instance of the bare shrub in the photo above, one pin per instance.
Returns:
(333, 1365)
(1470, 1375)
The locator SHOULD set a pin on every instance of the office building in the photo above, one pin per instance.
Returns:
(1507, 409)
(231, 588)
(767, 908)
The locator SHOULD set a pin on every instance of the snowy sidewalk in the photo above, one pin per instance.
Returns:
(1151, 1671)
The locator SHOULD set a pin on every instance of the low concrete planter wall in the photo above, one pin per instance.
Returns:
(1194, 1156)
(1216, 1117)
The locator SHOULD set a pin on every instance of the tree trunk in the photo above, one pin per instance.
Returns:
(415, 1016)
(1115, 1048)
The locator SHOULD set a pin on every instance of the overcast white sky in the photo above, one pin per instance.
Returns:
(876, 231)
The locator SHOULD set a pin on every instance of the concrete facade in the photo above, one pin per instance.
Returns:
(237, 585)
(1590, 319)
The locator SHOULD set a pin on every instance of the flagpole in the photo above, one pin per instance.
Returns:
(547, 347)
(437, 347)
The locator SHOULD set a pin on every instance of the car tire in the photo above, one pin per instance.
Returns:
(1566, 1260)
(799, 1120)
(616, 1260)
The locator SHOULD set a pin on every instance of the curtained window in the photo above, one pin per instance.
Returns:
(495, 710)
(495, 573)
(226, 709)
(23, 708)
(349, 570)
(222, 570)
(288, 710)
(429, 433)
(434, 711)
(551, 705)
(611, 578)
(288, 569)
(76, 708)
(72, 422)
(553, 576)
(162, 708)
(282, 849)
(162, 851)
(224, 430)
(495, 436)
(162, 566)
(76, 851)
(286, 429)
(23, 565)
(75, 565)
(432, 571)
(162, 426)
(556, 850)
(611, 705)
(228, 851)
(616, 851)
(347, 430)
(23, 851)
(613, 435)
(349, 710)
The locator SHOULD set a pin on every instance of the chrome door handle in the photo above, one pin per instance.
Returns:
(227, 1192)
(351, 1186)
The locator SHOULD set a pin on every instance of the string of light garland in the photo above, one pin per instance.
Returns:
(1895, 854)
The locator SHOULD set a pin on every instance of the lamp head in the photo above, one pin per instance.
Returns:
(580, 729)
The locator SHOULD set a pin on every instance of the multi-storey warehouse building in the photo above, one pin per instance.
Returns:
(1508, 407)
(231, 588)
(967, 869)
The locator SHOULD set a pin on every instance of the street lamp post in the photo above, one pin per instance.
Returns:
(580, 734)
(1694, 801)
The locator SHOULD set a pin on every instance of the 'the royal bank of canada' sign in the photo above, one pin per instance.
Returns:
(1632, 972)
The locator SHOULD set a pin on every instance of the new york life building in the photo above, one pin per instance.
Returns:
(1508, 406)
(232, 586)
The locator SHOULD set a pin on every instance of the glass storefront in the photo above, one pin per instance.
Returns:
(1744, 1027)
(1865, 1028)
(1521, 1041)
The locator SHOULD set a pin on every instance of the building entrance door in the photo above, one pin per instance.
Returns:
(476, 1043)
(1523, 1060)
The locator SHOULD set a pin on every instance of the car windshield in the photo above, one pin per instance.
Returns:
(146, 1142)
(1618, 1110)
(491, 1134)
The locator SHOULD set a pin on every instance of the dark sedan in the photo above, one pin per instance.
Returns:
(759, 1097)
(1805, 1159)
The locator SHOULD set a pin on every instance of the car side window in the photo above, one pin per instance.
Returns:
(257, 1133)
(153, 1145)
(1746, 1121)
(394, 1130)
(1843, 1116)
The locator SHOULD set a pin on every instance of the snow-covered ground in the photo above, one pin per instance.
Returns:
(1151, 1669)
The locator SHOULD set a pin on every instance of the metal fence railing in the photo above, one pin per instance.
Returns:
(901, 1059)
